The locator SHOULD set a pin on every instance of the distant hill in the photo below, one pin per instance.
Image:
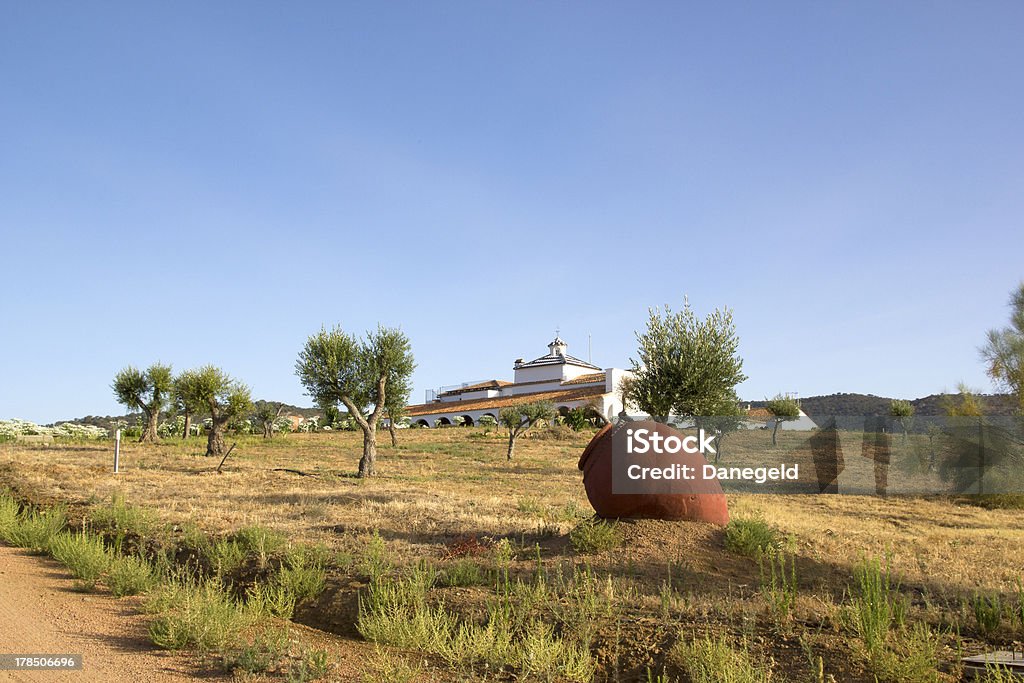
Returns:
(109, 421)
(849, 405)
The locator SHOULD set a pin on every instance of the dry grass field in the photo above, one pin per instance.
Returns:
(477, 551)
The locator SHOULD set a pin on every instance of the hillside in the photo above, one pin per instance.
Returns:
(109, 421)
(850, 405)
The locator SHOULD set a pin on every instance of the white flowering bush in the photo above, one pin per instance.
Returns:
(310, 424)
(170, 428)
(76, 431)
(11, 429)
(283, 425)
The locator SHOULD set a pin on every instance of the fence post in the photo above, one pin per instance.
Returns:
(117, 451)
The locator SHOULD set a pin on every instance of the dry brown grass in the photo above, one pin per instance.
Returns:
(440, 487)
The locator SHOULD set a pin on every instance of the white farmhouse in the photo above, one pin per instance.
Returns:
(567, 382)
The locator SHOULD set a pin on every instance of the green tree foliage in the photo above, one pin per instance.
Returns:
(397, 399)
(265, 415)
(519, 418)
(222, 397)
(146, 391)
(577, 418)
(966, 403)
(688, 367)
(187, 406)
(903, 411)
(783, 409)
(729, 418)
(1004, 351)
(336, 367)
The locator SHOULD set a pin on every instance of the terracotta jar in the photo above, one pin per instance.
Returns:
(696, 500)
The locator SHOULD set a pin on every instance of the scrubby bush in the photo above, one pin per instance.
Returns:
(594, 536)
(130, 575)
(34, 529)
(260, 541)
(751, 537)
(200, 615)
(714, 660)
(83, 554)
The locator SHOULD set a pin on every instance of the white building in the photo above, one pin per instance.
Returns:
(567, 382)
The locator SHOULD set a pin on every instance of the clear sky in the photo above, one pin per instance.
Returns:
(212, 182)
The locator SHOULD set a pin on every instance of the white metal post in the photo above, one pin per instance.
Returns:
(117, 451)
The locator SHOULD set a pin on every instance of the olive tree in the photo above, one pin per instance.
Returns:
(398, 398)
(1004, 351)
(146, 391)
(187, 405)
(336, 367)
(266, 414)
(687, 367)
(727, 419)
(783, 409)
(519, 418)
(903, 411)
(222, 397)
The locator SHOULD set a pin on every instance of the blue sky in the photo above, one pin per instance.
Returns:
(212, 182)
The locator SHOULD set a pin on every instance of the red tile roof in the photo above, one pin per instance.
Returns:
(489, 384)
(585, 379)
(498, 402)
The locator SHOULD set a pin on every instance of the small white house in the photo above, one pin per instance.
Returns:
(567, 382)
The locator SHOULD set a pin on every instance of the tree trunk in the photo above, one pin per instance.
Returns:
(188, 426)
(149, 434)
(368, 463)
(775, 431)
(268, 430)
(215, 442)
(511, 445)
(392, 431)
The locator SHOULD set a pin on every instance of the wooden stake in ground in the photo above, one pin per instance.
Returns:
(226, 456)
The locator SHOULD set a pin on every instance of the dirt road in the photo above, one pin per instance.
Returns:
(40, 613)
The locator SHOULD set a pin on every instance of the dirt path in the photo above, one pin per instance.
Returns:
(40, 613)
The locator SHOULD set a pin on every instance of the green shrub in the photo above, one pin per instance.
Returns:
(396, 612)
(199, 615)
(594, 536)
(226, 556)
(751, 537)
(463, 573)
(262, 655)
(376, 560)
(130, 575)
(9, 510)
(83, 554)
(303, 582)
(995, 673)
(576, 419)
(387, 668)
(778, 584)
(261, 542)
(988, 612)
(312, 666)
(119, 516)
(34, 529)
(271, 599)
(303, 574)
(708, 660)
(911, 655)
(1019, 612)
(877, 605)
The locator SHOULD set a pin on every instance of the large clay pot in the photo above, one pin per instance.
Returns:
(700, 500)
